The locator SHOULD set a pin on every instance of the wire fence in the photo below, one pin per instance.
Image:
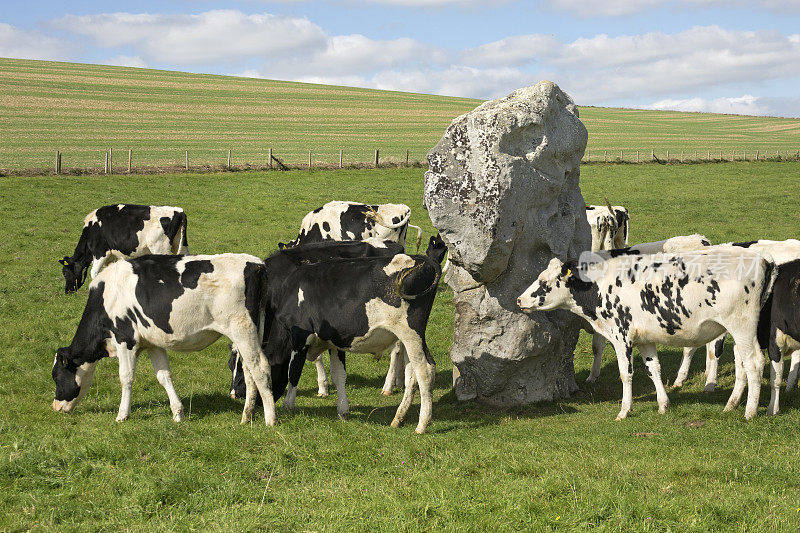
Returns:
(617, 155)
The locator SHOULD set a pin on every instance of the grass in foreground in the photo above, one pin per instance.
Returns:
(560, 465)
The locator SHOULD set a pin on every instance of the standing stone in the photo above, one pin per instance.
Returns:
(502, 189)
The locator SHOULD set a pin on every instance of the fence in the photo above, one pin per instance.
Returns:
(610, 155)
(116, 160)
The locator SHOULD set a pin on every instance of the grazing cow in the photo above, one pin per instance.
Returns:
(609, 225)
(361, 305)
(123, 231)
(680, 243)
(353, 221)
(284, 261)
(160, 302)
(780, 252)
(674, 299)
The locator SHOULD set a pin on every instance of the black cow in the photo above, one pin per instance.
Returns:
(160, 302)
(123, 231)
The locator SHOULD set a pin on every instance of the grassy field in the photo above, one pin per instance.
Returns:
(83, 110)
(553, 466)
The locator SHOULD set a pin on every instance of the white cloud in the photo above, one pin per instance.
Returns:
(127, 61)
(517, 50)
(616, 8)
(740, 105)
(212, 37)
(24, 44)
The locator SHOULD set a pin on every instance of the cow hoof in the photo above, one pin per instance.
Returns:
(396, 423)
(419, 431)
(343, 416)
(709, 387)
(178, 416)
(246, 418)
(591, 379)
(749, 416)
(729, 407)
(122, 418)
(386, 392)
(322, 395)
(662, 409)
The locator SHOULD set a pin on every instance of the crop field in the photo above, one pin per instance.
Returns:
(85, 110)
(562, 465)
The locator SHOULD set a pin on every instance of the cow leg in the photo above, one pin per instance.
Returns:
(160, 361)
(322, 378)
(339, 377)
(794, 367)
(254, 361)
(395, 370)
(625, 363)
(408, 397)
(127, 369)
(250, 395)
(713, 353)
(598, 345)
(686, 362)
(424, 369)
(775, 378)
(739, 383)
(753, 362)
(296, 363)
(653, 367)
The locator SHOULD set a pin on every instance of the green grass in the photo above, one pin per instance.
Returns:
(83, 110)
(553, 466)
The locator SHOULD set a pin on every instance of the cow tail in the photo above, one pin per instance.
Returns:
(419, 235)
(386, 224)
(177, 233)
(770, 275)
(408, 276)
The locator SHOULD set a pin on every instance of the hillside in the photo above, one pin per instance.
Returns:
(83, 110)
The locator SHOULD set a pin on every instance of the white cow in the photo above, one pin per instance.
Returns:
(681, 300)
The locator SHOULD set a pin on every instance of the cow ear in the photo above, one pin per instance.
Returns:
(281, 246)
(64, 261)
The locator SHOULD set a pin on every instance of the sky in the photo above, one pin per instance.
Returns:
(722, 56)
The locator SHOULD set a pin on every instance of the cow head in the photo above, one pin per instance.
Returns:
(72, 380)
(436, 248)
(74, 274)
(551, 289)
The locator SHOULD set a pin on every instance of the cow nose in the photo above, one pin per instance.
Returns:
(519, 302)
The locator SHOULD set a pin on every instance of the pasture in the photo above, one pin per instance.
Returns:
(563, 465)
(83, 110)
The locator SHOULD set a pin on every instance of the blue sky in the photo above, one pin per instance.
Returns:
(727, 56)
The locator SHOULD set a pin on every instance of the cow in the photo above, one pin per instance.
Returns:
(780, 252)
(353, 221)
(345, 221)
(282, 262)
(123, 231)
(609, 225)
(680, 243)
(684, 299)
(360, 305)
(161, 302)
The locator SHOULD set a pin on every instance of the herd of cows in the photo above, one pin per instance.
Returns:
(347, 284)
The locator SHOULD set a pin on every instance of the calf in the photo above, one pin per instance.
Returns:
(609, 225)
(674, 299)
(160, 302)
(123, 231)
(780, 252)
(353, 221)
(284, 261)
(361, 305)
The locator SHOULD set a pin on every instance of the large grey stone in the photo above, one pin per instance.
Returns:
(502, 189)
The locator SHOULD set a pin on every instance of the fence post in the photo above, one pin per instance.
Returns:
(637, 156)
(667, 156)
(756, 155)
(708, 155)
(309, 160)
(229, 159)
(605, 157)
(681, 156)
(376, 158)
(340, 158)
(105, 168)
(652, 155)
(270, 159)
(111, 160)
(130, 157)
(733, 155)
(187, 160)
(621, 156)
(406, 156)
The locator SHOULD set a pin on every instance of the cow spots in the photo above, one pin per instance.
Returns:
(326, 226)
(667, 307)
(398, 263)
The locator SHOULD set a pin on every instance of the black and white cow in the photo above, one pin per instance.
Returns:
(780, 252)
(160, 302)
(123, 231)
(353, 221)
(283, 262)
(361, 305)
(609, 225)
(681, 243)
(674, 299)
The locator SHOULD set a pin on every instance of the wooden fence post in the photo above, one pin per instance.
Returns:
(376, 158)
(229, 159)
(406, 156)
(621, 156)
(105, 168)
(637, 156)
(708, 156)
(605, 156)
(681, 156)
(130, 157)
(341, 152)
(652, 155)
(309, 160)
(270, 159)
(58, 162)
(756, 155)
(187, 160)
(694, 157)
(667, 156)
